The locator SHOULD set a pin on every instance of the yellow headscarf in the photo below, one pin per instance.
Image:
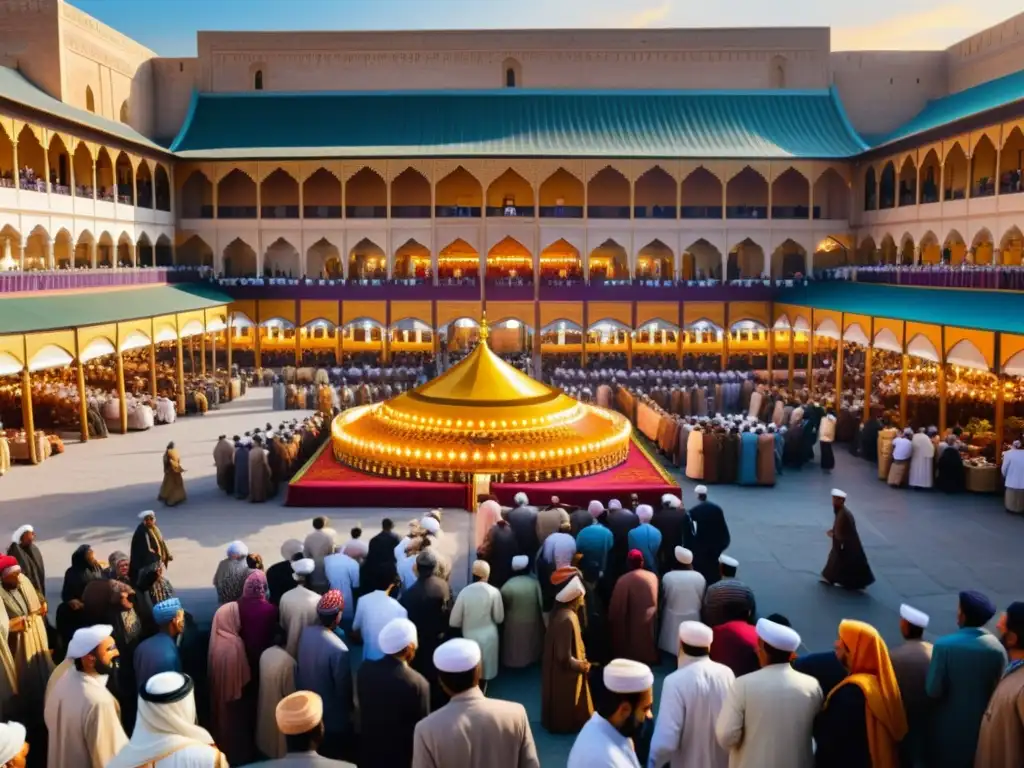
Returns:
(871, 671)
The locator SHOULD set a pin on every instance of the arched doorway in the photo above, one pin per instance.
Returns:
(656, 262)
(701, 195)
(510, 262)
(323, 260)
(608, 195)
(458, 263)
(282, 260)
(560, 264)
(791, 195)
(367, 262)
(412, 262)
(747, 195)
(746, 261)
(702, 261)
(239, 259)
(510, 195)
(654, 195)
(561, 196)
(609, 262)
(789, 261)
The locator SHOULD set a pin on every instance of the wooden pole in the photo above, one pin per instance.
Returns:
(725, 338)
(256, 342)
(213, 354)
(869, 354)
(840, 360)
(903, 390)
(152, 361)
(679, 339)
(810, 359)
(122, 399)
(83, 405)
(28, 422)
(1000, 398)
(180, 366)
(227, 344)
(791, 383)
(771, 356)
(583, 339)
(202, 353)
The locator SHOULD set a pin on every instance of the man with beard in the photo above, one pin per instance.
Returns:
(81, 714)
(1001, 740)
(607, 739)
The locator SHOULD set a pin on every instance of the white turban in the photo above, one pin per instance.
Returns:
(695, 634)
(778, 635)
(521, 499)
(701, 490)
(430, 525)
(12, 739)
(237, 549)
(614, 504)
(571, 591)
(397, 635)
(684, 555)
(86, 639)
(457, 655)
(913, 616)
(671, 501)
(625, 676)
(16, 536)
(644, 513)
(519, 562)
(303, 567)
(595, 508)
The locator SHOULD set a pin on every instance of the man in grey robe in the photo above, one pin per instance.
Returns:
(910, 662)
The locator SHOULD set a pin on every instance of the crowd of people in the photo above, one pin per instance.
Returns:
(599, 597)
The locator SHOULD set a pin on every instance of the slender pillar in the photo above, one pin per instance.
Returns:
(121, 397)
(213, 354)
(840, 360)
(256, 346)
(28, 421)
(903, 389)
(180, 373)
(228, 333)
(1000, 398)
(298, 334)
(202, 354)
(83, 404)
(771, 356)
(152, 367)
(942, 380)
(586, 329)
(810, 359)
(725, 339)
(629, 350)
(791, 384)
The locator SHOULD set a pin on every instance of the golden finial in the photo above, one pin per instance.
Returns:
(485, 329)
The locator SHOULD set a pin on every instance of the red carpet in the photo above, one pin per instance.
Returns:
(324, 482)
(638, 474)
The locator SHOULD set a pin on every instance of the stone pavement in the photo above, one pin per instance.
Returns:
(924, 547)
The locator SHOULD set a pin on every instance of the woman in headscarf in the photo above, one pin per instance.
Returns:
(259, 619)
(172, 490)
(166, 726)
(151, 588)
(110, 602)
(862, 721)
(118, 566)
(84, 569)
(232, 704)
(231, 573)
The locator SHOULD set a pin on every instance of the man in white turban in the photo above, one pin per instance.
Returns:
(13, 747)
(683, 594)
(232, 571)
(166, 734)
(523, 629)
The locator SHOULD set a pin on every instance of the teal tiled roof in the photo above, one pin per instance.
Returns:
(981, 310)
(14, 87)
(994, 94)
(519, 123)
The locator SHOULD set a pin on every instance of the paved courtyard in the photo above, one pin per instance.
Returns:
(924, 547)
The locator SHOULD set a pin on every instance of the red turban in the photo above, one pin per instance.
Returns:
(332, 602)
(635, 558)
(563, 574)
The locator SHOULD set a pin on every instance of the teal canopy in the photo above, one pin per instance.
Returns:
(519, 123)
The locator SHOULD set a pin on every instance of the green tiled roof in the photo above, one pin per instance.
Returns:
(14, 87)
(519, 123)
(994, 94)
(982, 310)
(50, 312)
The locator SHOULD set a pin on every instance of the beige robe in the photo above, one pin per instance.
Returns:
(317, 546)
(84, 722)
(298, 611)
(260, 479)
(695, 455)
(31, 649)
(1001, 739)
(8, 669)
(472, 731)
(277, 680)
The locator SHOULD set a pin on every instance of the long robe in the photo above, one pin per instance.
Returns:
(910, 662)
(682, 597)
(277, 680)
(260, 479)
(298, 611)
(922, 461)
(711, 539)
(633, 616)
(965, 669)
(428, 603)
(224, 459)
(324, 667)
(30, 649)
(712, 456)
(148, 546)
(695, 455)
(566, 703)
(847, 564)
(8, 669)
(499, 547)
(83, 721)
(841, 730)
(478, 611)
(691, 700)
(32, 567)
(393, 698)
(729, 463)
(172, 490)
(523, 628)
(748, 459)
(1001, 738)
(646, 538)
(766, 459)
(242, 472)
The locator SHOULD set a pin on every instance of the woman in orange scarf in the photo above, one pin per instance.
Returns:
(862, 721)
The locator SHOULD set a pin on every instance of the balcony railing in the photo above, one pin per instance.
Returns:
(984, 188)
(561, 211)
(457, 211)
(608, 211)
(322, 211)
(410, 211)
(236, 211)
(701, 211)
(793, 212)
(366, 211)
(510, 211)
(746, 212)
(279, 211)
(654, 211)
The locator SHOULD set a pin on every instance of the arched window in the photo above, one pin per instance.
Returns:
(90, 100)
(510, 78)
(124, 111)
(257, 80)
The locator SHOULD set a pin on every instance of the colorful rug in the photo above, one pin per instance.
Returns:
(325, 482)
(639, 474)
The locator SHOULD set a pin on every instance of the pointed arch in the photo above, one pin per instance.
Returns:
(367, 261)
(105, 250)
(701, 261)
(196, 198)
(83, 250)
(887, 251)
(870, 189)
(510, 195)
(239, 259)
(955, 173)
(236, 196)
(656, 261)
(366, 195)
(1011, 245)
(412, 261)
(8, 173)
(458, 195)
(63, 249)
(509, 259)
(907, 194)
(886, 339)
(410, 195)
(982, 246)
(791, 195)
(82, 163)
(162, 188)
(279, 195)
(124, 176)
(609, 261)
(282, 259)
(196, 252)
(746, 195)
(323, 260)
(954, 248)
(984, 168)
(105, 188)
(32, 167)
(887, 187)
(967, 355)
(321, 195)
(608, 195)
(921, 346)
(701, 195)
(37, 249)
(458, 261)
(561, 261)
(561, 196)
(931, 178)
(655, 195)
(60, 166)
(746, 261)
(789, 260)
(1011, 163)
(144, 185)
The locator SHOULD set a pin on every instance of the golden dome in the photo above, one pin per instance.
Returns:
(481, 417)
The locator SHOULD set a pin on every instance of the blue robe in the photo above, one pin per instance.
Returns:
(279, 398)
(647, 539)
(594, 543)
(324, 667)
(748, 459)
(242, 472)
(154, 655)
(966, 668)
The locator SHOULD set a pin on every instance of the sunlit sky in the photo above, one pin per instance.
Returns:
(169, 26)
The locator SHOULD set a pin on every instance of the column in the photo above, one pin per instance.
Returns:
(49, 253)
(903, 390)
(629, 349)
(152, 367)
(997, 256)
(93, 251)
(21, 257)
(771, 356)
(213, 354)
(585, 333)
(94, 191)
(228, 333)
(942, 398)
(725, 337)
(122, 398)
(840, 361)
(180, 373)
(27, 419)
(202, 354)
(298, 346)
(1000, 414)
(83, 405)
(867, 380)
(256, 346)
(792, 359)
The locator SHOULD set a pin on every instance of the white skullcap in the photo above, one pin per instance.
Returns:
(701, 490)
(571, 591)
(519, 562)
(356, 548)
(595, 508)
(625, 676)
(913, 616)
(614, 504)
(908, 431)
(684, 556)
(146, 513)
(696, 634)
(669, 500)
(837, 494)
(397, 635)
(303, 567)
(521, 499)
(16, 536)
(237, 549)
(645, 513)
(164, 683)
(458, 655)
(778, 636)
(430, 525)
(12, 739)
(87, 638)
(732, 562)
